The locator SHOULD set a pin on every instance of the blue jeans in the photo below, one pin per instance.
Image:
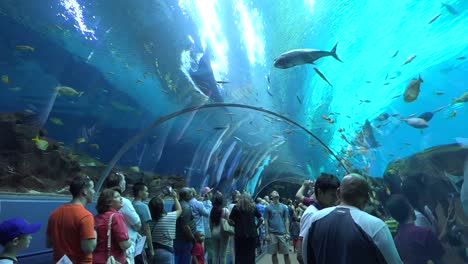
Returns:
(162, 256)
(183, 251)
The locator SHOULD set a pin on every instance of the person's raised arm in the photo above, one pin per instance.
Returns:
(177, 207)
(300, 192)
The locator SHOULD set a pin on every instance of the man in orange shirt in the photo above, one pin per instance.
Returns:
(70, 229)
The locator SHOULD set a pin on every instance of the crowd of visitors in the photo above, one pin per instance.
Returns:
(329, 221)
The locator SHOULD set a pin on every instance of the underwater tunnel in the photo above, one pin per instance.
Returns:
(231, 95)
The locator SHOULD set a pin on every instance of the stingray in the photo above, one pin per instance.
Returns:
(204, 78)
(366, 137)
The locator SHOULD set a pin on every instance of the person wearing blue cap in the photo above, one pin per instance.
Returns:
(15, 235)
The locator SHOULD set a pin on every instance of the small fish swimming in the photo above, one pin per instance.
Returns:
(56, 121)
(302, 56)
(382, 117)
(439, 92)
(322, 76)
(450, 8)
(40, 143)
(220, 128)
(364, 101)
(394, 55)
(412, 89)
(65, 90)
(135, 169)
(5, 79)
(385, 84)
(396, 96)
(461, 99)
(80, 140)
(299, 99)
(368, 81)
(24, 47)
(461, 58)
(94, 146)
(453, 114)
(409, 59)
(15, 89)
(269, 93)
(434, 18)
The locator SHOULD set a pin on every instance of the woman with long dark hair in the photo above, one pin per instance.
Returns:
(163, 229)
(219, 239)
(242, 217)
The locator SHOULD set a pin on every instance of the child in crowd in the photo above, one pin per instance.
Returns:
(15, 235)
(198, 252)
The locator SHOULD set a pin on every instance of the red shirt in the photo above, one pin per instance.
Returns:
(119, 233)
(199, 252)
(67, 226)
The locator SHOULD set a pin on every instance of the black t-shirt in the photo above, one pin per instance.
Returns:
(245, 226)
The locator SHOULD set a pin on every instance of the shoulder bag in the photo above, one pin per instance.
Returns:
(225, 226)
(110, 258)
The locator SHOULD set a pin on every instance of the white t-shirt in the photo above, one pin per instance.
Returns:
(6, 260)
(306, 219)
(131, 218)
(373, 226)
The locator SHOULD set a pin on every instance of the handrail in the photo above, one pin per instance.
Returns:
(165, 118)
(43, 252)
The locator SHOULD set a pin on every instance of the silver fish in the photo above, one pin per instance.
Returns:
(302, 56)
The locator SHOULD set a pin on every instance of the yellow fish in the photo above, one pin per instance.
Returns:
(65, 90)
(5, 79)
(80, 140)
(94, 146)
(453, 114)
(24, 47)
(40, 143)
(56, 121)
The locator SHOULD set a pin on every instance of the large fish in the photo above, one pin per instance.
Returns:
(302, 56)
(204, 78)
(428, 115)
(412, 89)
(416, 122)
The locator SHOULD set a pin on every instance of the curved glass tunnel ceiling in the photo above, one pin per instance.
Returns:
(234, 152)
(130, 63)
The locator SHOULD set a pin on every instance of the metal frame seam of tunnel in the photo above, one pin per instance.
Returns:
(167, 117)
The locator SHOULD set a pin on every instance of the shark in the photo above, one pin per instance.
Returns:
(204, 78)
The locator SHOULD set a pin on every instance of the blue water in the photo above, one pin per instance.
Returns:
(133, 59)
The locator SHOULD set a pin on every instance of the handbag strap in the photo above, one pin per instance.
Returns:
(109, 231)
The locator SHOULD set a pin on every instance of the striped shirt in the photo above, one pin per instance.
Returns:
(164, 230)
(392, 225)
